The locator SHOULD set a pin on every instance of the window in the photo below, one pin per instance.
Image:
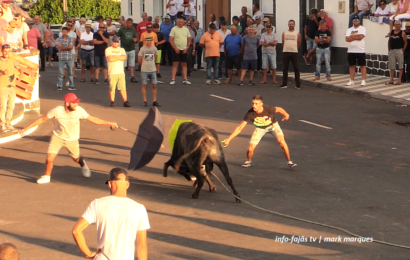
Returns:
(318, 4)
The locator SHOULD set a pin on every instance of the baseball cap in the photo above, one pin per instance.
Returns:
(7, 1)
(323, 10)
(167, 17)
(313, 10)
(235, 18)
(83, 20)
(257, 17)
(266, 19)
(356, 17)
(71, 98)
(188, 23)
(224, 23)
(114, 175)
(115, 39)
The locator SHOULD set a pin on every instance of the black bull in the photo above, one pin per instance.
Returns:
(197, 146)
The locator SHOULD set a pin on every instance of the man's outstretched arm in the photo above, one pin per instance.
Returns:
(283, 113)
(98, 121)
(37, 122)
(236, 132)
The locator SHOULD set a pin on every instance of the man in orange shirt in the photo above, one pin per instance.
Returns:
(148, 33)
(211, 42)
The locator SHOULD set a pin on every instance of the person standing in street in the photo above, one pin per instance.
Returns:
(243, 19)
(160, 46)
(65, 59)
(291, 41)
(397, 45)
(406, 74)
(356, 50)
(7, 88)
(322, 39)
(33, 35)
(116, 57)
(198, 48)
(180, 40)
(223, 32)
(101, 40)
(128, 38)
(147, 57)
(269, 42)
(121, 223)
(311, 27)
(111, 29)
(87, 51)
(250, 45)
(141, 28)
(211, 41)
(263, 118)
(66, 133)
(232, 47)
(165, 29)
(41, 45)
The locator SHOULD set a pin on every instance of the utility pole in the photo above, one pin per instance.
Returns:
(65, 10)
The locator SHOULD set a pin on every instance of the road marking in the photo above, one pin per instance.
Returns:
(307, 122)
(227, 99)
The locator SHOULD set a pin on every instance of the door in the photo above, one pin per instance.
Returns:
(217, 7)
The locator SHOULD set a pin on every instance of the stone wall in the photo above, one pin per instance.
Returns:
(378, 65)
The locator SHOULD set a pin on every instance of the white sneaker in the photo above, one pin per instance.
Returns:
(351, 83)
(363, 83)
(208, 82)
(217, 82)
(246, 164)
(172, 82)
(186, 82)
(43, 179)
(86, 170)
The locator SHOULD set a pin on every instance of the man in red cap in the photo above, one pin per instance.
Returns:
(66, 133)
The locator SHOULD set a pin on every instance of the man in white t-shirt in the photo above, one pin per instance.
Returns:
(190, 9)
(119, 220)
(355, 51)
(66, 133)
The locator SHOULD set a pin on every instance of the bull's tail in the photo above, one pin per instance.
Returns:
(182, 158)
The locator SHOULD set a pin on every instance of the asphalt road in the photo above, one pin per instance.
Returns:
(353, 176)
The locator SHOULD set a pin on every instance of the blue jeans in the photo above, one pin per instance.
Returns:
(360, 14)
(319, 54)
(212, 62)
(173, 19)
(69, 68)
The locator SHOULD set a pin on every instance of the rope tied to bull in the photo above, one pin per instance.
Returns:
(305, 220)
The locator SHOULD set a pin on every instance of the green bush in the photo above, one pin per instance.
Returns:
(52, 10)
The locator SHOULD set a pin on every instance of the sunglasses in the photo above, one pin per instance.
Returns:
(356, 20)
(5, 46)
(149, 27)
(102, 27)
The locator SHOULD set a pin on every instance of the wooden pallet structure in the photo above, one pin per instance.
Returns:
(29, 73)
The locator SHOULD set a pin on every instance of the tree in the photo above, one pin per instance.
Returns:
(52, 10)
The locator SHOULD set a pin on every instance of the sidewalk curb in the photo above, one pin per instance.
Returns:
(328, 86)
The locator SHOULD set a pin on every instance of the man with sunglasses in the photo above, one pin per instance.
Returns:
(100, 40)
(356, 50)
(122, 223)
(7, 88)
(149, 33)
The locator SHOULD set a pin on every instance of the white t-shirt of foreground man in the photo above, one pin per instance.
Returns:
(119, 219)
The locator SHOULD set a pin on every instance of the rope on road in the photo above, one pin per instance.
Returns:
(307, 221)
